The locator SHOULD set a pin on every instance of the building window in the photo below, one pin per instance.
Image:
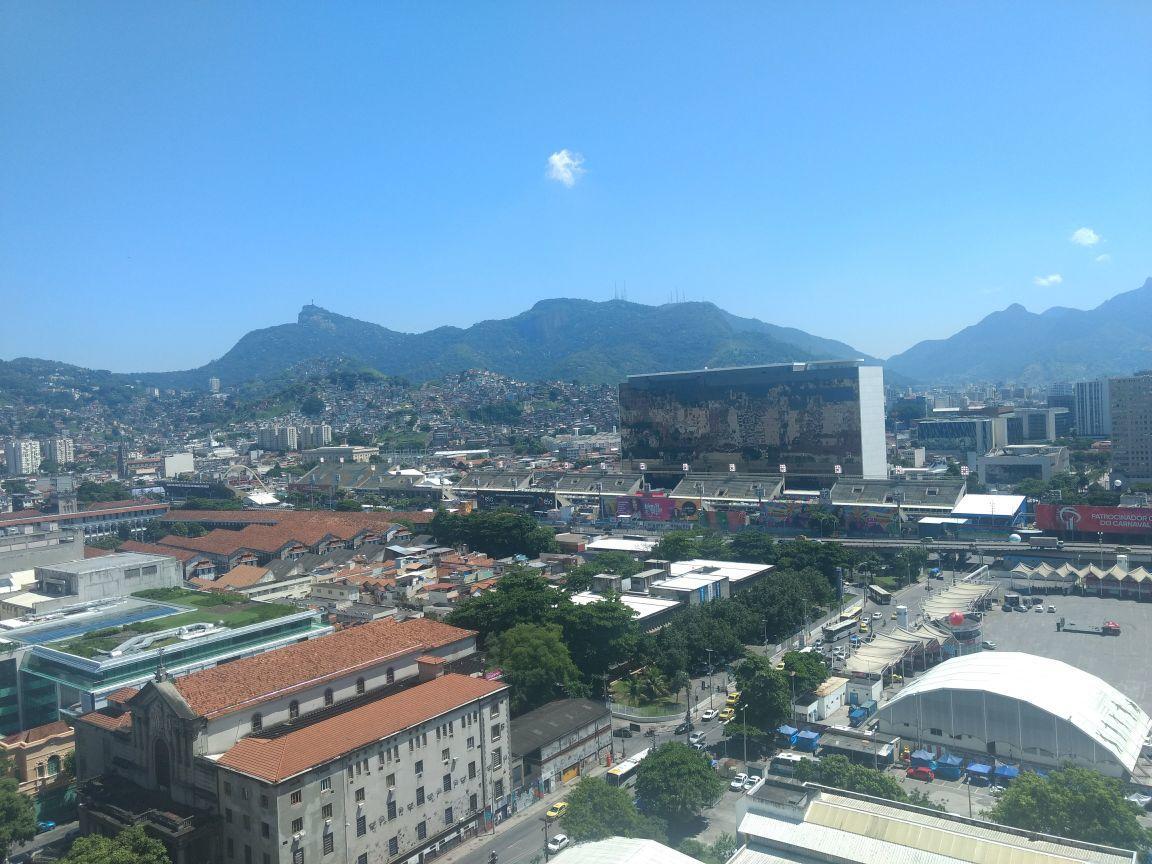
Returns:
(390, 781)
(422, 830)
(391, 810)
(937, 732)
(495, 731)
(231, 848)
(264, 801)
(498, 788)
(227, 789)
(419, 766)
(361, 825)
(297, 825)
(471, 770)
(446, 783)
(326, 811)
(445, 754)
(419, 795)
(360, 794)
(247, 854)
(329, 843)
(293, 710)
(328, 697)
(326, 784)
(393, 846)
(53, 766)
(257, 722)
(497, 758)
(362, 858)
(471, 743)
(359, 685)
(265, 829)
(247, 821)
(297, 796)
(228, 815)
(448, 820)
(473, 801)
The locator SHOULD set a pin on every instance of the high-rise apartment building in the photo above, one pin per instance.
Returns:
(1130, 401)
(213, 385)
(59, 450)
(23, 456)
(319, 435)
(281, 438)
(809, 417)
(1093, 408)
(1062, 394)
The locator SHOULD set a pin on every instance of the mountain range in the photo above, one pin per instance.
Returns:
(593, 342)
(1061, 344)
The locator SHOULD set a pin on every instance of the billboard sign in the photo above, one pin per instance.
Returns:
(1091, 520)
(650, 508)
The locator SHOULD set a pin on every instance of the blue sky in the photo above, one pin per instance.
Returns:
(173, 175)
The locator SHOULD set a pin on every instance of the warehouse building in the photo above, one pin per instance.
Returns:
(1021, 707)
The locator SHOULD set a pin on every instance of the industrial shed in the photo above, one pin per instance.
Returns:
(1020, 707)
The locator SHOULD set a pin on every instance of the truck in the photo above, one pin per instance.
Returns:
(859, 714)
(1045, 543)
(1108, 628)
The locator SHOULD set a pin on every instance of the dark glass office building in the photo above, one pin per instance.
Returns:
(807, 416)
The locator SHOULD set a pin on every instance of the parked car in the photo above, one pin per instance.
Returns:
(622, 732)
(683, 727)
(697, 737)
(557, 810)
(1051, 608)
(737, 783)
(709, 714)
(752, 780)
(558, 843)
(45, 825)
(733, 697)
(988, 645)
(921, 772)
(818, 643)
(893, 615)
(727, 714)
(1038, 608)
(877, 616)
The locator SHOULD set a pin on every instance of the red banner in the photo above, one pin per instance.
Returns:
(1088, 519)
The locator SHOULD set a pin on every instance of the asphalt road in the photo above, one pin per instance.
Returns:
(23, 851)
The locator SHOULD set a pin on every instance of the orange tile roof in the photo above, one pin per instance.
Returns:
(240, 576)
(123, 694)
(248, 682)
(96, 552)
(38, 733)
(156, 549)
(218, 542)
(106, 718)
(277, 759)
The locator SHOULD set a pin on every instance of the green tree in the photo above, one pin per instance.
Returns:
(676, 782)
(597, 811)
(130, 846)
(676, 546)
(753, 547)
(599, 636)
(765, 694)
(759, 741)
(499, 533)
(1072, 802)
(807, 671)
(617, 563)
(17, 812)
(109, 542)
(312, 406)
(520, 597)
(347, 505)
(537, 666)
(840, 773)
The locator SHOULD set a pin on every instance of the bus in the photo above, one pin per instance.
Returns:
(835, 631)
(879, 595)
(625, 773)
(785, 763)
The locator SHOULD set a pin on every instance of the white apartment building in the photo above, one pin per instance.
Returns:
(62, 451)
(281, 438)
(319, 435)
(23, 456)
(323, 751)
(1093, 411)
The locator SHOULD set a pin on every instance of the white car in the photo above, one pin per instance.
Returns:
(697, 737)
(752, 780)
(877, 616)
(737, 784)
(710, 714)
(560, 841)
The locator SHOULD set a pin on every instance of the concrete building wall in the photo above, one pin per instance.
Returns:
(32, 549)
(1131, 409)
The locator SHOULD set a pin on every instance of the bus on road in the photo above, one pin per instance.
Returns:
(879, 595)
(624, 774)
(836, 630)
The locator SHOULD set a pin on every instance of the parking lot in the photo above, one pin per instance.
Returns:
(1121, 660)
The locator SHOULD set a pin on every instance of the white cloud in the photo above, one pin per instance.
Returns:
(565, 167)
(1046, 281)
(1103, 259)
(1085, 237)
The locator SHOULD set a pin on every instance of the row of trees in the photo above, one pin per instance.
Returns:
(499, 533)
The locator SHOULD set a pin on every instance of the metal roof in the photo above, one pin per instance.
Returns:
(554, 721)
(625, 850)
(1070, 695)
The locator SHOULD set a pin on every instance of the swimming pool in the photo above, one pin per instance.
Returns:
(78, 625)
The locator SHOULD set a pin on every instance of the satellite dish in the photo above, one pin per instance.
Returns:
(1117, 483)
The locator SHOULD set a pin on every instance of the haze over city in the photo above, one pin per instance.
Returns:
(175, 176)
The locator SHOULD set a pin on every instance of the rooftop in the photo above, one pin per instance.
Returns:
(989, 505)
(943, 492)
(555, 720)
(223, 689)
(105, 562)
(278, 757)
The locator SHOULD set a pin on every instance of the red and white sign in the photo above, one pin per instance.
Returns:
(1088, 519)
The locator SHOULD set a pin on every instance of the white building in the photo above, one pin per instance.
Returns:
(278, 438)
(319, 435)
(741, 576)
(23, 456)
(1020, 707)
(62, 451)
(1093, 411)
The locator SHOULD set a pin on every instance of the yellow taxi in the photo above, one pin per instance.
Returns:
(863, 626)
(557, 810)
(733, 698)
(727, 714)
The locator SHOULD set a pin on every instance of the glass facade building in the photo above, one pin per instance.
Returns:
(807, 416)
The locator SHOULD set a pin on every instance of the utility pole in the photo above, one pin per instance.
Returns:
(744, 720)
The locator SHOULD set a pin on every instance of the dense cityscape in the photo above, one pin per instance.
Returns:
(604, 434)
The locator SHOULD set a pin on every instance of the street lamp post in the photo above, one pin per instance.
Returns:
(544, 819)
(744, 720)
(709, 650)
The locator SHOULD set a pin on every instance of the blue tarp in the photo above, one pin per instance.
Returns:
(787, 731)
(979, 768)
(1007, 772)
(951, 761)
(807, 741)
(808, 736)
